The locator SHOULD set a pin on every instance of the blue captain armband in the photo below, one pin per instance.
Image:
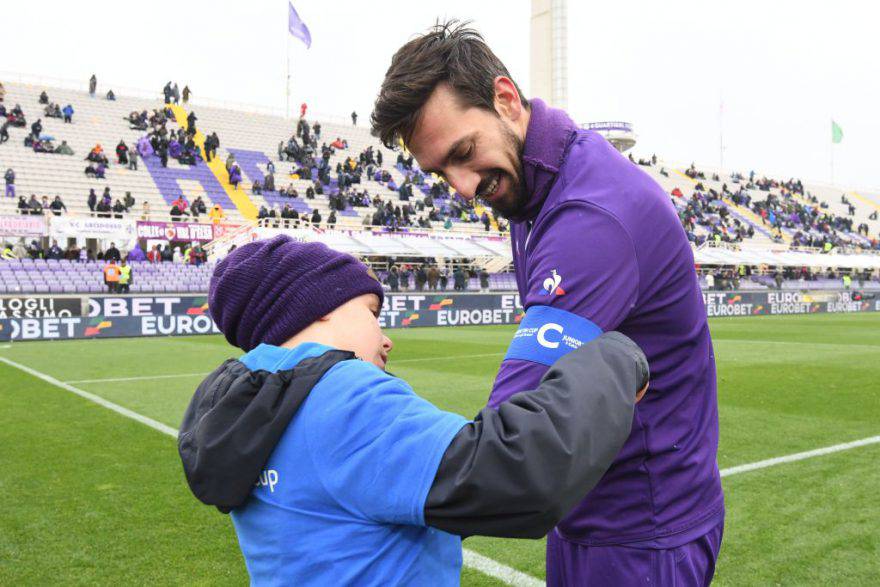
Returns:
(546, 334)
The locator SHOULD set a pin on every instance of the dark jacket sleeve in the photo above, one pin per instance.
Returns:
(517, 471)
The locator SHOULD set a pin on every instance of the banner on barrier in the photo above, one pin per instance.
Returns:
(176, 231)
(775, 303)
(78, 226)
(116, 316)
(426, 309)
(22, 226)
(40, 307)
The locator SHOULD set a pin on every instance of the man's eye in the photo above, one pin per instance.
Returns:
(464, 156)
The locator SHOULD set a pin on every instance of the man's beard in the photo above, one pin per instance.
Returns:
(514, 202)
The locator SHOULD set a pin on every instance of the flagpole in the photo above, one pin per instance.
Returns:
(832, 163)
(721, 129)
(287, 103)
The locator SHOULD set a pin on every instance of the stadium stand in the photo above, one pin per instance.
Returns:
(318, 174)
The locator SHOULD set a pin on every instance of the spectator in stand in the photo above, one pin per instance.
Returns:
(64, 149)
(34, 206)
(103, 209)
(92, 200)
(111, 96)
(34, 251)
(155, 255)
(96, 155)
(145, 211)
(182, 203)
(433, 277)
(421, 277)
(458, 279)
(128, 201)
(118, 209)
(2, 93)
(393, 279)
(186, 94)
(216, 214)
(111, 274)
(405, 274)
(235, 175)
(54, 251)
(197, 208)
(136, 254)
(4, 132)
(302, 110)
(316, 217)
(68, 113)
(37, 128)
(97, 171)
(9, 176)
(72, 253)
(177, 256)
(167, 254)
(122, 153)
(177, 214)
(331, 219)
(484, 280)
(112, 253)
(57, 206)
(125, 277)
(93, 85)
(44, 97)
(354, 118)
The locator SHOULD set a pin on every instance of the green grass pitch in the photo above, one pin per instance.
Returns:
(91, 497)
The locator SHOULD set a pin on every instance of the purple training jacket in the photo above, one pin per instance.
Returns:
(598, 248)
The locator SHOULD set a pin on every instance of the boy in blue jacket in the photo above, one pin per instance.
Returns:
(336, 473)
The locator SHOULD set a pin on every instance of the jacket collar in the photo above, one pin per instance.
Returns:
(547, 138)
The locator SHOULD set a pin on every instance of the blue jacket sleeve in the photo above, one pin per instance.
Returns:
(375, 444)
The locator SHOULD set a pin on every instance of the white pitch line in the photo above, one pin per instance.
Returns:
(142, 378)
(94, 398)
(798, 456)
(494, 569)
(487, 566)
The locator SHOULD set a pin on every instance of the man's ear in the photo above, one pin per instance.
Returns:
(507, 99)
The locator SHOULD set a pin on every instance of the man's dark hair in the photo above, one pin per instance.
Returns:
(449, 52)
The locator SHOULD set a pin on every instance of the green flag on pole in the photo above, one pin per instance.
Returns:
(836, 133)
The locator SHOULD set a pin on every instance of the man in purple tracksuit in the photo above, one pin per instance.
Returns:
(597, 246)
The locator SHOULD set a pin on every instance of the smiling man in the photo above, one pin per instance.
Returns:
(597, 246)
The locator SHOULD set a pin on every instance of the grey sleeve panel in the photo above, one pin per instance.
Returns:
(517, 471)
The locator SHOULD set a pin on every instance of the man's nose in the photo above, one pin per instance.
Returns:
(387, 344)
(465, 182)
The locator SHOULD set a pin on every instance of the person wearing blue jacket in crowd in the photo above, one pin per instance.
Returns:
(336, 473)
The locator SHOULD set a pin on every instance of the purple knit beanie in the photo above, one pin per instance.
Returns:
(269, 290)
